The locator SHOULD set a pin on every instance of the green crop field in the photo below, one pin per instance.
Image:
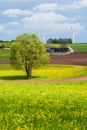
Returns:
(4, 54)
(76, 47)
(79, 47)
(6, 44)
(52, 45)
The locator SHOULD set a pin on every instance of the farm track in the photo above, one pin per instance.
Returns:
(83, 78)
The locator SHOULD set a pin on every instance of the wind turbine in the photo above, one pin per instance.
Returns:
(44, 34)
(73, 35)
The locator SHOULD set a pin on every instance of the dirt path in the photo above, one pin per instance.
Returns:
(84, 78)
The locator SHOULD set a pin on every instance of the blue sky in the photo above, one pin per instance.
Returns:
(45, 18)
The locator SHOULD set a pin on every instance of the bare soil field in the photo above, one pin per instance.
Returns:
(68, 59)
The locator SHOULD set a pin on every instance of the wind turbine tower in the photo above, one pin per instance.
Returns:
(73, 35)
(45, 35)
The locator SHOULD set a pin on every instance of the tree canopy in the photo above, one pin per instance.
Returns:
(28, 51)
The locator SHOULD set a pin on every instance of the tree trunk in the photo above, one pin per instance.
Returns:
(28, 71)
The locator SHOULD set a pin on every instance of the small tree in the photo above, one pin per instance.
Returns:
(28, 51)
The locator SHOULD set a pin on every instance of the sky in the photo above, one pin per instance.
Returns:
(45, 18)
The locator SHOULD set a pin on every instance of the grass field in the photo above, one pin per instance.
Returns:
(79, 47)
(4, 54)
(7, 44)
(42, 106)
(76, 47)
(46, 106)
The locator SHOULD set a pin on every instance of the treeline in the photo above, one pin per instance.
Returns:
(5, 44)
(60, 41)
(2, 41)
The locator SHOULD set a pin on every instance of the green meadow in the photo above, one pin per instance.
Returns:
(79, 47)
(4, 54)
(7, 72)
(42, 106)
(6, 44)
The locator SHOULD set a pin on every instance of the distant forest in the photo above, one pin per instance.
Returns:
(60, 41)
(2, 41)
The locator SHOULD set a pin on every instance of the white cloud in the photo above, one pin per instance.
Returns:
(66, 27)
(57, 23)
(46, 7)
(14, 0)
(79, 4)
(14, 23)
(75, 18)
(77, 27)
(12, 31)
(46, 17)
(42, 18)
(75, 5)
(16, 12)
(1, 28)
(50, 7)
(54, 6)
(51, 20)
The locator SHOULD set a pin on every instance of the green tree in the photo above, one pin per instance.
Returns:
(28, 51)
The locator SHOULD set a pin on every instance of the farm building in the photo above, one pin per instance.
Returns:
(49, 50)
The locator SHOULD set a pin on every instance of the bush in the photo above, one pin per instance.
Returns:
(1, 45)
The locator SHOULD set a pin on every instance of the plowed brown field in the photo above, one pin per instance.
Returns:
(68, 59)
